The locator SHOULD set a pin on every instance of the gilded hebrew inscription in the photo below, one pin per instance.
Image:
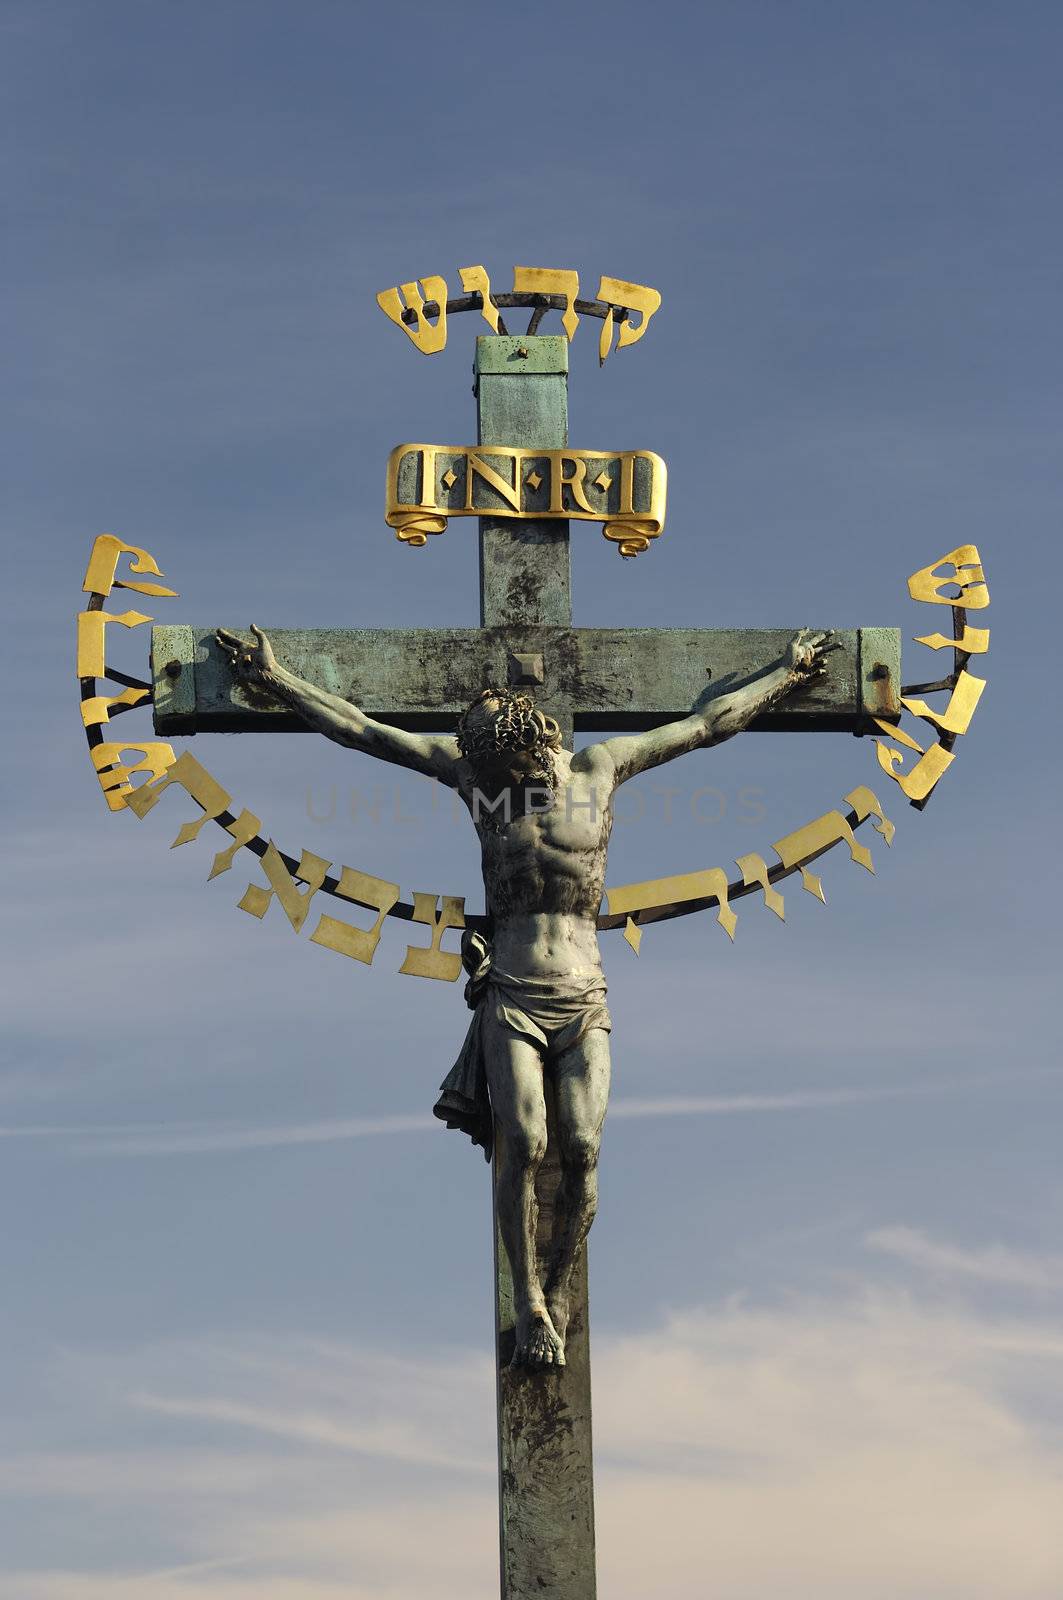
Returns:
(551, 281)
(358, 943)
(709, 884)
(429, 337)
(103, 564)
(116, 775)
(294, 902)
(434, 962)
(630, 297)
(956, 716)
(972, 641)
(966, 575)
(92, 626)
(475, 280)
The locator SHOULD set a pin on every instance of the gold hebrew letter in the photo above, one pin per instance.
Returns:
(956, 716)
(208, 793)
(900, 734)
(975, 641)
(103, 563)
(928, 770)
(551, 280)
(711, 884)
(243, 830)
(197, 782)
(755, 870)
(294, 902)
(358, 943)
(475, 279)
(811, 840)
(91, 626)
(115, 774)
(429, 337)
(966, 575)
(434, 962)
(633, 297)
(866, 804)
(98, 708)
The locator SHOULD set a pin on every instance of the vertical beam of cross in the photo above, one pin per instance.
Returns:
(546, 1484)
(522, 399)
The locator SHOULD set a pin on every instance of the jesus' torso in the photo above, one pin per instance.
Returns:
(544, 867)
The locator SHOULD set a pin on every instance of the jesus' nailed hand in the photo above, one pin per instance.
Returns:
(543, 815)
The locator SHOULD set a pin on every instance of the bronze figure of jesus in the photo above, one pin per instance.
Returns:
(543, 815)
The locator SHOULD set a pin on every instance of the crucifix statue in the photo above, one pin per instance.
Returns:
(543, 815)
(491, 711)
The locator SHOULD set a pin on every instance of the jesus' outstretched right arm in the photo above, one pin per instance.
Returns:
(434, 755)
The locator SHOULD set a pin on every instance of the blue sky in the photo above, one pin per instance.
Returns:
(246, 1333)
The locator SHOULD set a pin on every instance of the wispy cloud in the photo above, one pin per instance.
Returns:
(199, 1138)
(996, 1264)
(204, 1139)
(391, 1441)
(873, 1433)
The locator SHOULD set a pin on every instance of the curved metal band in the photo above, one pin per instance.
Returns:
(538, 304)
(480, 923)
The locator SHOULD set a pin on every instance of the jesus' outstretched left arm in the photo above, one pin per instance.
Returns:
(714, 716)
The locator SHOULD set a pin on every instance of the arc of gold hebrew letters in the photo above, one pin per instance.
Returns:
(115, 774)
(801, 846)
(964, 571)
(163, 770)
(710, 884)
(361, 887)
(553, 282)
(794, 852)
(360, 944)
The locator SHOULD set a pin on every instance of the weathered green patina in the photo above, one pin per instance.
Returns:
(603, 679)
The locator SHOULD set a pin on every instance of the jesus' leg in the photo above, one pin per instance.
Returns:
(582, 1089)
(515, 1081)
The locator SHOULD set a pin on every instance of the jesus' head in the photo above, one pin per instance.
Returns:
(503, 736)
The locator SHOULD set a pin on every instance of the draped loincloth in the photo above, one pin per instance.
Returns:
(552, 1013)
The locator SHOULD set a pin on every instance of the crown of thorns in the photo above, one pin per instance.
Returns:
(515, 725)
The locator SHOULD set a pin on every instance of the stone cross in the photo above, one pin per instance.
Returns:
(590, 680)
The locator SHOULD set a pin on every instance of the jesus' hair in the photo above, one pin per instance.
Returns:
(516, 725)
